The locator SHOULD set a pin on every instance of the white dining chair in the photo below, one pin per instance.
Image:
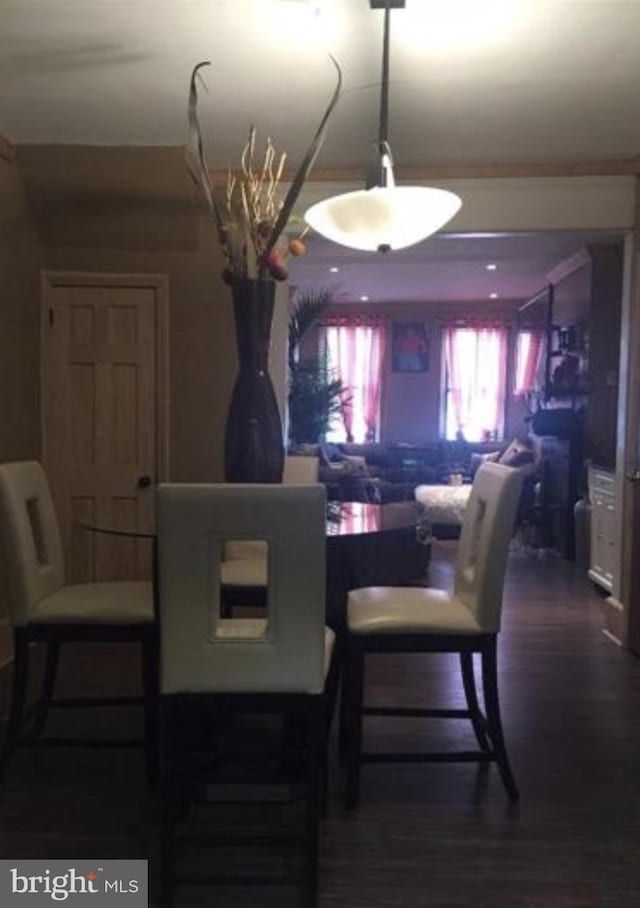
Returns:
(210, 664)
(43, 608)
(244, 565)
(426, 620)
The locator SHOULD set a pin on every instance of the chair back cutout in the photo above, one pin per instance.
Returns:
(200, 650)
(484, 542)
(29, 538)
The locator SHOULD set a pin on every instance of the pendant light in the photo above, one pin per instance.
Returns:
(384, 216)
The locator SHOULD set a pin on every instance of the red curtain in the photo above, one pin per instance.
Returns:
(476, 364)
(355, 347)
(529, 353)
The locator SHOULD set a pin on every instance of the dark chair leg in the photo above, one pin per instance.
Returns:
(353, 691)
(343, 717)
(342, 683)
(329, 704)
(324, 784)
(490, 684)
(18, 696)
(469, 682)
(149, 648)
(315, 760)
(333, 684)
(48, 684)
(169, 785)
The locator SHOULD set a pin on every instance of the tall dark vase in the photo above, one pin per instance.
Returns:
(254, 450)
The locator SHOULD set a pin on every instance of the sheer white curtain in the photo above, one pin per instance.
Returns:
(355, 350)
(476, 366)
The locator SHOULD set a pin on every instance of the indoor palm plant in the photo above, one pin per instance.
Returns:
(316, 396)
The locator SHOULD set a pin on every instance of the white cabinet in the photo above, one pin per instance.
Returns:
(604, 555)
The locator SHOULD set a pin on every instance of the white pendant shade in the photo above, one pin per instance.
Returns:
(390, 217)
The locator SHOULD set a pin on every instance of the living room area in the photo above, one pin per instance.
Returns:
(502, 347)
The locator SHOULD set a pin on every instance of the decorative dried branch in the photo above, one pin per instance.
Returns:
(303, 171)
(267, 162)
(231, 185)
(247, 153)
(196, 161)
(255, 218)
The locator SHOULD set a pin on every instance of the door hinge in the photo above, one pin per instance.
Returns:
(51, 316)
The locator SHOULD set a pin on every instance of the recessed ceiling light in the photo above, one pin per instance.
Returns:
(493, 296)
(364, 299)
(334, 269)
(491, 266)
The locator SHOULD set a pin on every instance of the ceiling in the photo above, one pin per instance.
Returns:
(445, 268)
(472, 83)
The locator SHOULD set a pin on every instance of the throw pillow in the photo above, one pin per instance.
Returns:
(354, 464)
(522, 458)
(478, 459)
(516, 454)
(330, 453)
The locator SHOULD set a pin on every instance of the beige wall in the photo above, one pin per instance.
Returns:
(133, 210)
(411, 402)
(20, 264)
(117, 210)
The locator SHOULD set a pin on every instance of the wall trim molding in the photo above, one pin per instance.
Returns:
(568, 266)
(514, 204)
(600, 167)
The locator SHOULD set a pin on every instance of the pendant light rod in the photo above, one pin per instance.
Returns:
(383, 132)
(383, 217)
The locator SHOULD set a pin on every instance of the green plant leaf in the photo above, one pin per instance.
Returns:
(317, 397)
(308, 308)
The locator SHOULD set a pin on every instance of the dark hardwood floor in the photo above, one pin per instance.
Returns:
(438, 836)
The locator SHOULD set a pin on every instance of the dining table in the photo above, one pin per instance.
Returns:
(366, 545)
(373, 545)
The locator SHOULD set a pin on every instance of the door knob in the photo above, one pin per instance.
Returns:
(144, 482)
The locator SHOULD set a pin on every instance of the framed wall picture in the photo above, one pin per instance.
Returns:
(410, 343)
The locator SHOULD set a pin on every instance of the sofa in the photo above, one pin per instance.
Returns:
(445, 505)
(376, 472)
(387, 471)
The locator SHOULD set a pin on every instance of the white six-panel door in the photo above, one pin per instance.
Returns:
(103, 445)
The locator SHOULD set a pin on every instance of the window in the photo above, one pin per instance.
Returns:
(355, 350)
(475, 381)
